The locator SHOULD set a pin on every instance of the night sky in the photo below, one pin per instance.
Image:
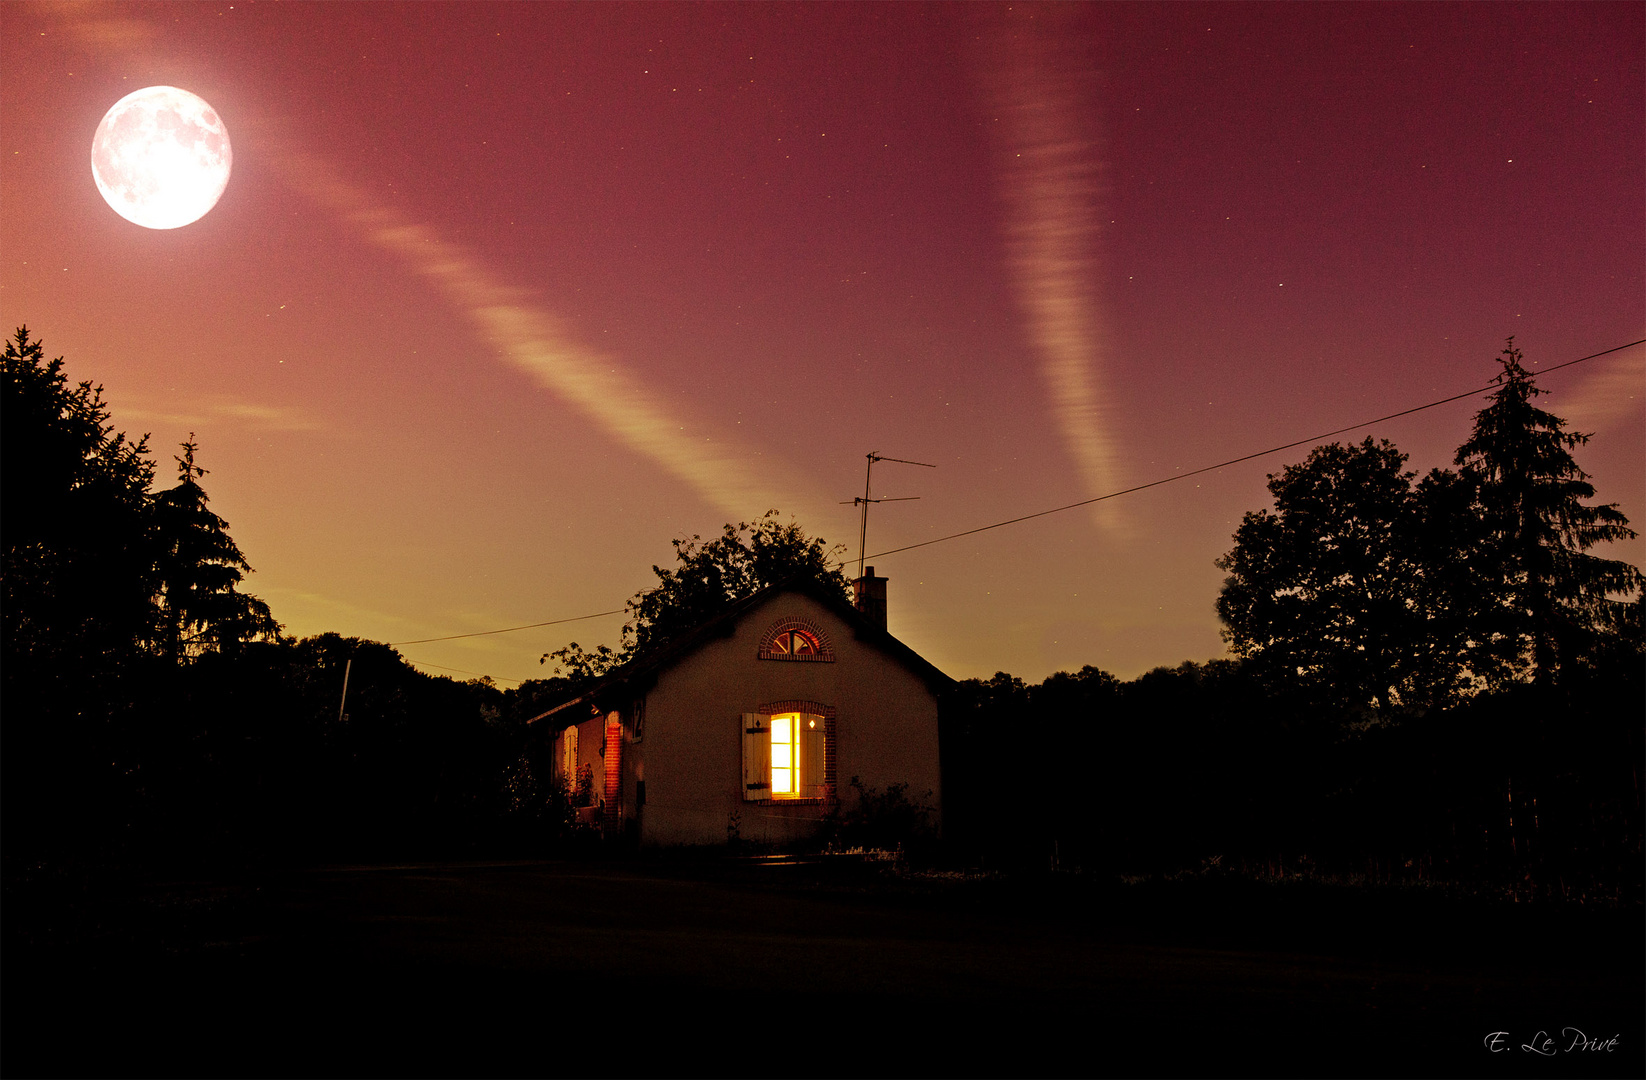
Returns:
(500, 299)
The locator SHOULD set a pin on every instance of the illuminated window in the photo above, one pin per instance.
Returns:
(784, 756)
(783, 735)
(795, 643)
(795, 639)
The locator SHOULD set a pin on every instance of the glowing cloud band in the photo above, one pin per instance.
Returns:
(528, 337)
(1049, 182)
(533, 342)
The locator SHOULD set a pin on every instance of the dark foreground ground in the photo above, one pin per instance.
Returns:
(597, 969)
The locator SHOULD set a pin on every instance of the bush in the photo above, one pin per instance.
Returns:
(885, 820)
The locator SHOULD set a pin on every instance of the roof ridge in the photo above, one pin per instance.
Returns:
(679, 647)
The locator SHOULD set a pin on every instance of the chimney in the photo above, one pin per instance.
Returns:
(869, 597)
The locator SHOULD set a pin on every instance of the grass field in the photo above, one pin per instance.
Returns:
(706, 967)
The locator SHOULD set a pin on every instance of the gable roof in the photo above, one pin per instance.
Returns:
(641, 674)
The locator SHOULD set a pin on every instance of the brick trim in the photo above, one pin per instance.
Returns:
(825, 650)
(614, 776)
(816, 708)
(830, 788)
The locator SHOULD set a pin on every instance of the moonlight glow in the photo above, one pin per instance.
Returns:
(161, 157)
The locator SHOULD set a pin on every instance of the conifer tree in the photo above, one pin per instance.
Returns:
(78, 561)
(1546, 602)
(200, 568)
(77, 614)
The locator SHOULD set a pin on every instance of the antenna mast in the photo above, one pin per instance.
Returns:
(863, 526)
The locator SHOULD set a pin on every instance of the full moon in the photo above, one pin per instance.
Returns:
(161, 157)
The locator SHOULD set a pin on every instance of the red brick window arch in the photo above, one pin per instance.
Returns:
(796, 639)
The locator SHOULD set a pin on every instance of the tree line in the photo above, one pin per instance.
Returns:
(1362, 588)
(154, 710)
(1431, 678)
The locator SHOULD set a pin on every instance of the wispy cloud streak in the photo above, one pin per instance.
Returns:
(202, 412)
(530, 338)
(1607, 396)
(534, 343)
(1050, 181)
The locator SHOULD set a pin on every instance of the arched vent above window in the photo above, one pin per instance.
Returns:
(796, 639)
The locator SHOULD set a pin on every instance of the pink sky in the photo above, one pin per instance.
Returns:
(502, 298)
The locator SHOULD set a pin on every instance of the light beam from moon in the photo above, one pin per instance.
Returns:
(161, 157)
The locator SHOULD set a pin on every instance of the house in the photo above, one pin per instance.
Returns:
(753, 725)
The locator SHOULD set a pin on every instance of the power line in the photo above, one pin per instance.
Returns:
(1243, 457)
(461, 671)
(1097, 499)
(511, 629)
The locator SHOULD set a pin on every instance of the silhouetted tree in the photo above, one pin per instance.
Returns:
(744, 559)
(77, 613)
(1473, 592)
(78, 547)
(199, 569)
(1547, 603)
(1331, 592)
(114, 748)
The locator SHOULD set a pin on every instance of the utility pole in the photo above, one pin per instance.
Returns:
(863, 525)
(341, 715)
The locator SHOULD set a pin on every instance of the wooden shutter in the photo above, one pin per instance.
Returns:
(812, 755)
(568, 760)
(757, 757)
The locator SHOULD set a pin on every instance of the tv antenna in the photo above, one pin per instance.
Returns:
(863, 527)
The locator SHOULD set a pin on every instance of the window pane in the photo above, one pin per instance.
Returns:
(784, 763)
